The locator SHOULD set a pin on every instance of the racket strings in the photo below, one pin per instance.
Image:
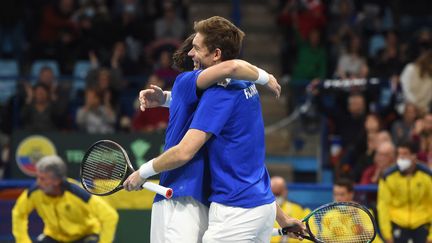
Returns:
(342, 224)
(103, 168)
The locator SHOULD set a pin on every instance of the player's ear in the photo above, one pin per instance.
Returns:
(217, 55)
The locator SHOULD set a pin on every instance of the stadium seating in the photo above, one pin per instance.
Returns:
(39, 64)
(80, 71)
(9, 72)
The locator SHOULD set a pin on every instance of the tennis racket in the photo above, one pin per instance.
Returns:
(342, 222)
(106, 166)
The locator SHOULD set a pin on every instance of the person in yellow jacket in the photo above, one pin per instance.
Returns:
(68, 212)
(405, 199)
(279, 189)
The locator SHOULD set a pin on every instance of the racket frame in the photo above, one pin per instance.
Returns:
(128, 168)
(312, 237)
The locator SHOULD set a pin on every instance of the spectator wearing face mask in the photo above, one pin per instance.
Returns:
(405, 199)
(279, 189)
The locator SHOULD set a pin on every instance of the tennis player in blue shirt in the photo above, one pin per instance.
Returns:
(185, 218)
(240, 182)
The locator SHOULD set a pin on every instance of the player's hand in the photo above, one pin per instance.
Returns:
(134, 182)
(273, 86)
(152, 97)
(294, 226)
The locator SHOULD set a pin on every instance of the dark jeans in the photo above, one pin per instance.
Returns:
(86, 239)
(403, 235)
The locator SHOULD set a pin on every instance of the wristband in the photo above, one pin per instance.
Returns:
(146, 170)
(168, 99)
(263, 77)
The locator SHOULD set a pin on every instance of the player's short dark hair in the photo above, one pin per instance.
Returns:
(413, 147)
(345, 182)
(220, 33)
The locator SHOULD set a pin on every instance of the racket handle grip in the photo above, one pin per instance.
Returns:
(161, 190)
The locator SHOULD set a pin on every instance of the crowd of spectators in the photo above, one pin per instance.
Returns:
(79, 64)
(367, 68)
(127, 44)
(122, 43)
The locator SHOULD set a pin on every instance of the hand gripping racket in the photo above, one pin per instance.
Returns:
(106, 166)
(342, 222)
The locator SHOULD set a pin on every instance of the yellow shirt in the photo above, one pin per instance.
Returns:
(66, 218)
(294, 210)
(404, 200)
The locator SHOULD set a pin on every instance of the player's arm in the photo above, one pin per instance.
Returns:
(181, 153)
(107, 216)
(237, 69)
(234, 69)
(294, 224)
(172, 158)
(20, 214)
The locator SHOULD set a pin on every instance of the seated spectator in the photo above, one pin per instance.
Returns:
(97, 115)
(342, 23)
(388, 62)
(343, 190)
(360, 154)
(170, 26)
(384, 157)
(108, 84)
(59, 94)
(310, 64)
(125, 61)
(68, 212)
(311, 58)
(100, 71)
(154, 118)
(352, 64)
(383, 136)
(346, 121)
(422, 135)
(39, 113)
(416, 79)
(401, 129)
(347, 115)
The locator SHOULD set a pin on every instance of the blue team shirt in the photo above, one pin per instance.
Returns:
(236, 150)
(192, 179)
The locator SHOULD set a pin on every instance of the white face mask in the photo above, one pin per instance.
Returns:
(280, 200)
(403, 164)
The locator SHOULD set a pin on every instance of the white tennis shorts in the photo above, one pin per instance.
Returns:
(234, 224)
(178, 220)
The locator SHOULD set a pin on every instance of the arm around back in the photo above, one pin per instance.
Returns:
(183, 152)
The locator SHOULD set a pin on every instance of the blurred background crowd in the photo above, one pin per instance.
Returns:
(366, 66)
(71, 65)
